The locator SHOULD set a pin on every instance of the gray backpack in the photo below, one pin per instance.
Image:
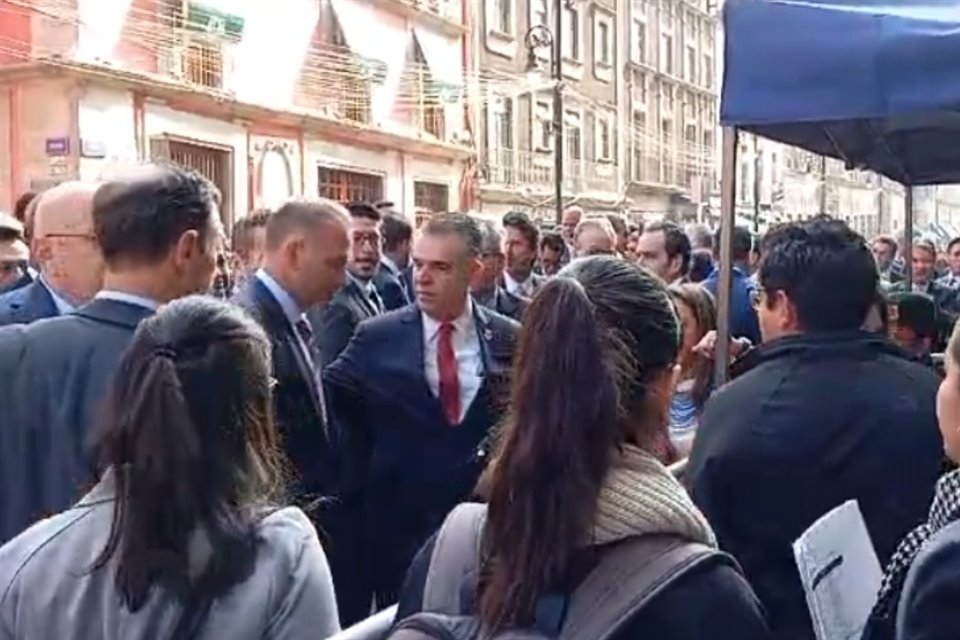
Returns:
(629, 575)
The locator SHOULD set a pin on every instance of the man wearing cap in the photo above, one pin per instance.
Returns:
(65, 250)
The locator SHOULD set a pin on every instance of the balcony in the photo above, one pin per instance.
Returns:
(446, 15)
(513, 169)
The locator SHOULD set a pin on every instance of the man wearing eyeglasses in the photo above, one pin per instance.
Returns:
(65, 250)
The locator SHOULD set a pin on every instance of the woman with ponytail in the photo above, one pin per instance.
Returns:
(578, 466)
(183, 537)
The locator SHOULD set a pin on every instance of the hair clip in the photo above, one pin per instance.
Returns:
(165, 351)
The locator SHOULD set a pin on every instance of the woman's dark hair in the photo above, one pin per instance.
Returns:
(704, 310)
(592, 341)
(190, 442)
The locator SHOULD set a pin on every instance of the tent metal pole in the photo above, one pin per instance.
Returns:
(907, 250)
(728, 218)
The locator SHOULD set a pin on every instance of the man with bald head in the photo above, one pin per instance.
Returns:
(65, 249)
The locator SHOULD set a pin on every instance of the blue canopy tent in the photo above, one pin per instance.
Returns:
(875, 83)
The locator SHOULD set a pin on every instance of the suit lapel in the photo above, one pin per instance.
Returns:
(35, 302)
(279, 325)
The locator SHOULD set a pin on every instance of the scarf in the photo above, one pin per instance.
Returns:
(944, 510)
(641, 496)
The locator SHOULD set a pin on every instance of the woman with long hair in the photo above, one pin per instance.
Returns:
(698, 316)
(183, 536)
(575, 472)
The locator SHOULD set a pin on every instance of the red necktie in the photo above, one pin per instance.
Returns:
(447, 367)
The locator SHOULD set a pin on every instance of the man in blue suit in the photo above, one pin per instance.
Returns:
(159, 232)
(65, 251)
(416, 394)
(393, 279)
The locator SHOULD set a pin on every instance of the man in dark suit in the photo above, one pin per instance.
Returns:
(393, 279)
(521, 244)
(358, 299)
(65, 251)
(417, 392)
(303, 265)
(159, 230)
(485, 287)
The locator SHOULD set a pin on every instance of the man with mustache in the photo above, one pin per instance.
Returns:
(358, 299)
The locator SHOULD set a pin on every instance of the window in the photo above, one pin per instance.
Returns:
(540, 13)
(708, 71)
(424, 107)
(604, 139)
(571, 43)
(543, 124)
(691, 65)
(640, 41)
(574, 136)
(203, 64)
(640, 93)
(744, 181)
(349, 186)
(431, 197)
(503, 16)
(666, 53)
(503, 125)
(603, 42)
(212, 162)
(691, 134)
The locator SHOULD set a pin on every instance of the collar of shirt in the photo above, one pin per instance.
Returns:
(463, 325)
(63, 307)
(291, 309)
(366, 288)
(391, 266)
(128, 298)
(515, 287)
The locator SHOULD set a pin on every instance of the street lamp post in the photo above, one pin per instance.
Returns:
(540, 37)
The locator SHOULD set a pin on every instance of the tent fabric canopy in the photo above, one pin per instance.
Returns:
(875, 83)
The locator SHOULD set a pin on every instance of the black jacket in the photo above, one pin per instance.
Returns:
(814, 421)
(712, 601)
(26, 304)
(335, 322)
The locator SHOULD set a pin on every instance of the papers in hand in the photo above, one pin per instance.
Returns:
(840, 573)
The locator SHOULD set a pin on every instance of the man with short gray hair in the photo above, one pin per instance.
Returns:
(417, 392)
(485, 286)
(593, 237)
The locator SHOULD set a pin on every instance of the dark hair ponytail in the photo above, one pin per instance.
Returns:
(189, 444)
(545, 479)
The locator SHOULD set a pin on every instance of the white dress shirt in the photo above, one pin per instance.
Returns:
(466, 346)
(293, 313)
(523, 289)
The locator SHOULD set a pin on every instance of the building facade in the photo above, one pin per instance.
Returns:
(639, 102)
(670, 105)
(347, 99)
(515, 117)
(778, 183)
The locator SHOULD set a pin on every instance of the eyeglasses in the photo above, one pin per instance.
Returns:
(79, 236)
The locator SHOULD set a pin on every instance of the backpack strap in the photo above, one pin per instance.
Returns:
(629, 575)
(455, 559)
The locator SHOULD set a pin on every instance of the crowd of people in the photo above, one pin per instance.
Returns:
(332, 412)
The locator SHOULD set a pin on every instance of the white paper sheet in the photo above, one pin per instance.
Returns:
(840, 573)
